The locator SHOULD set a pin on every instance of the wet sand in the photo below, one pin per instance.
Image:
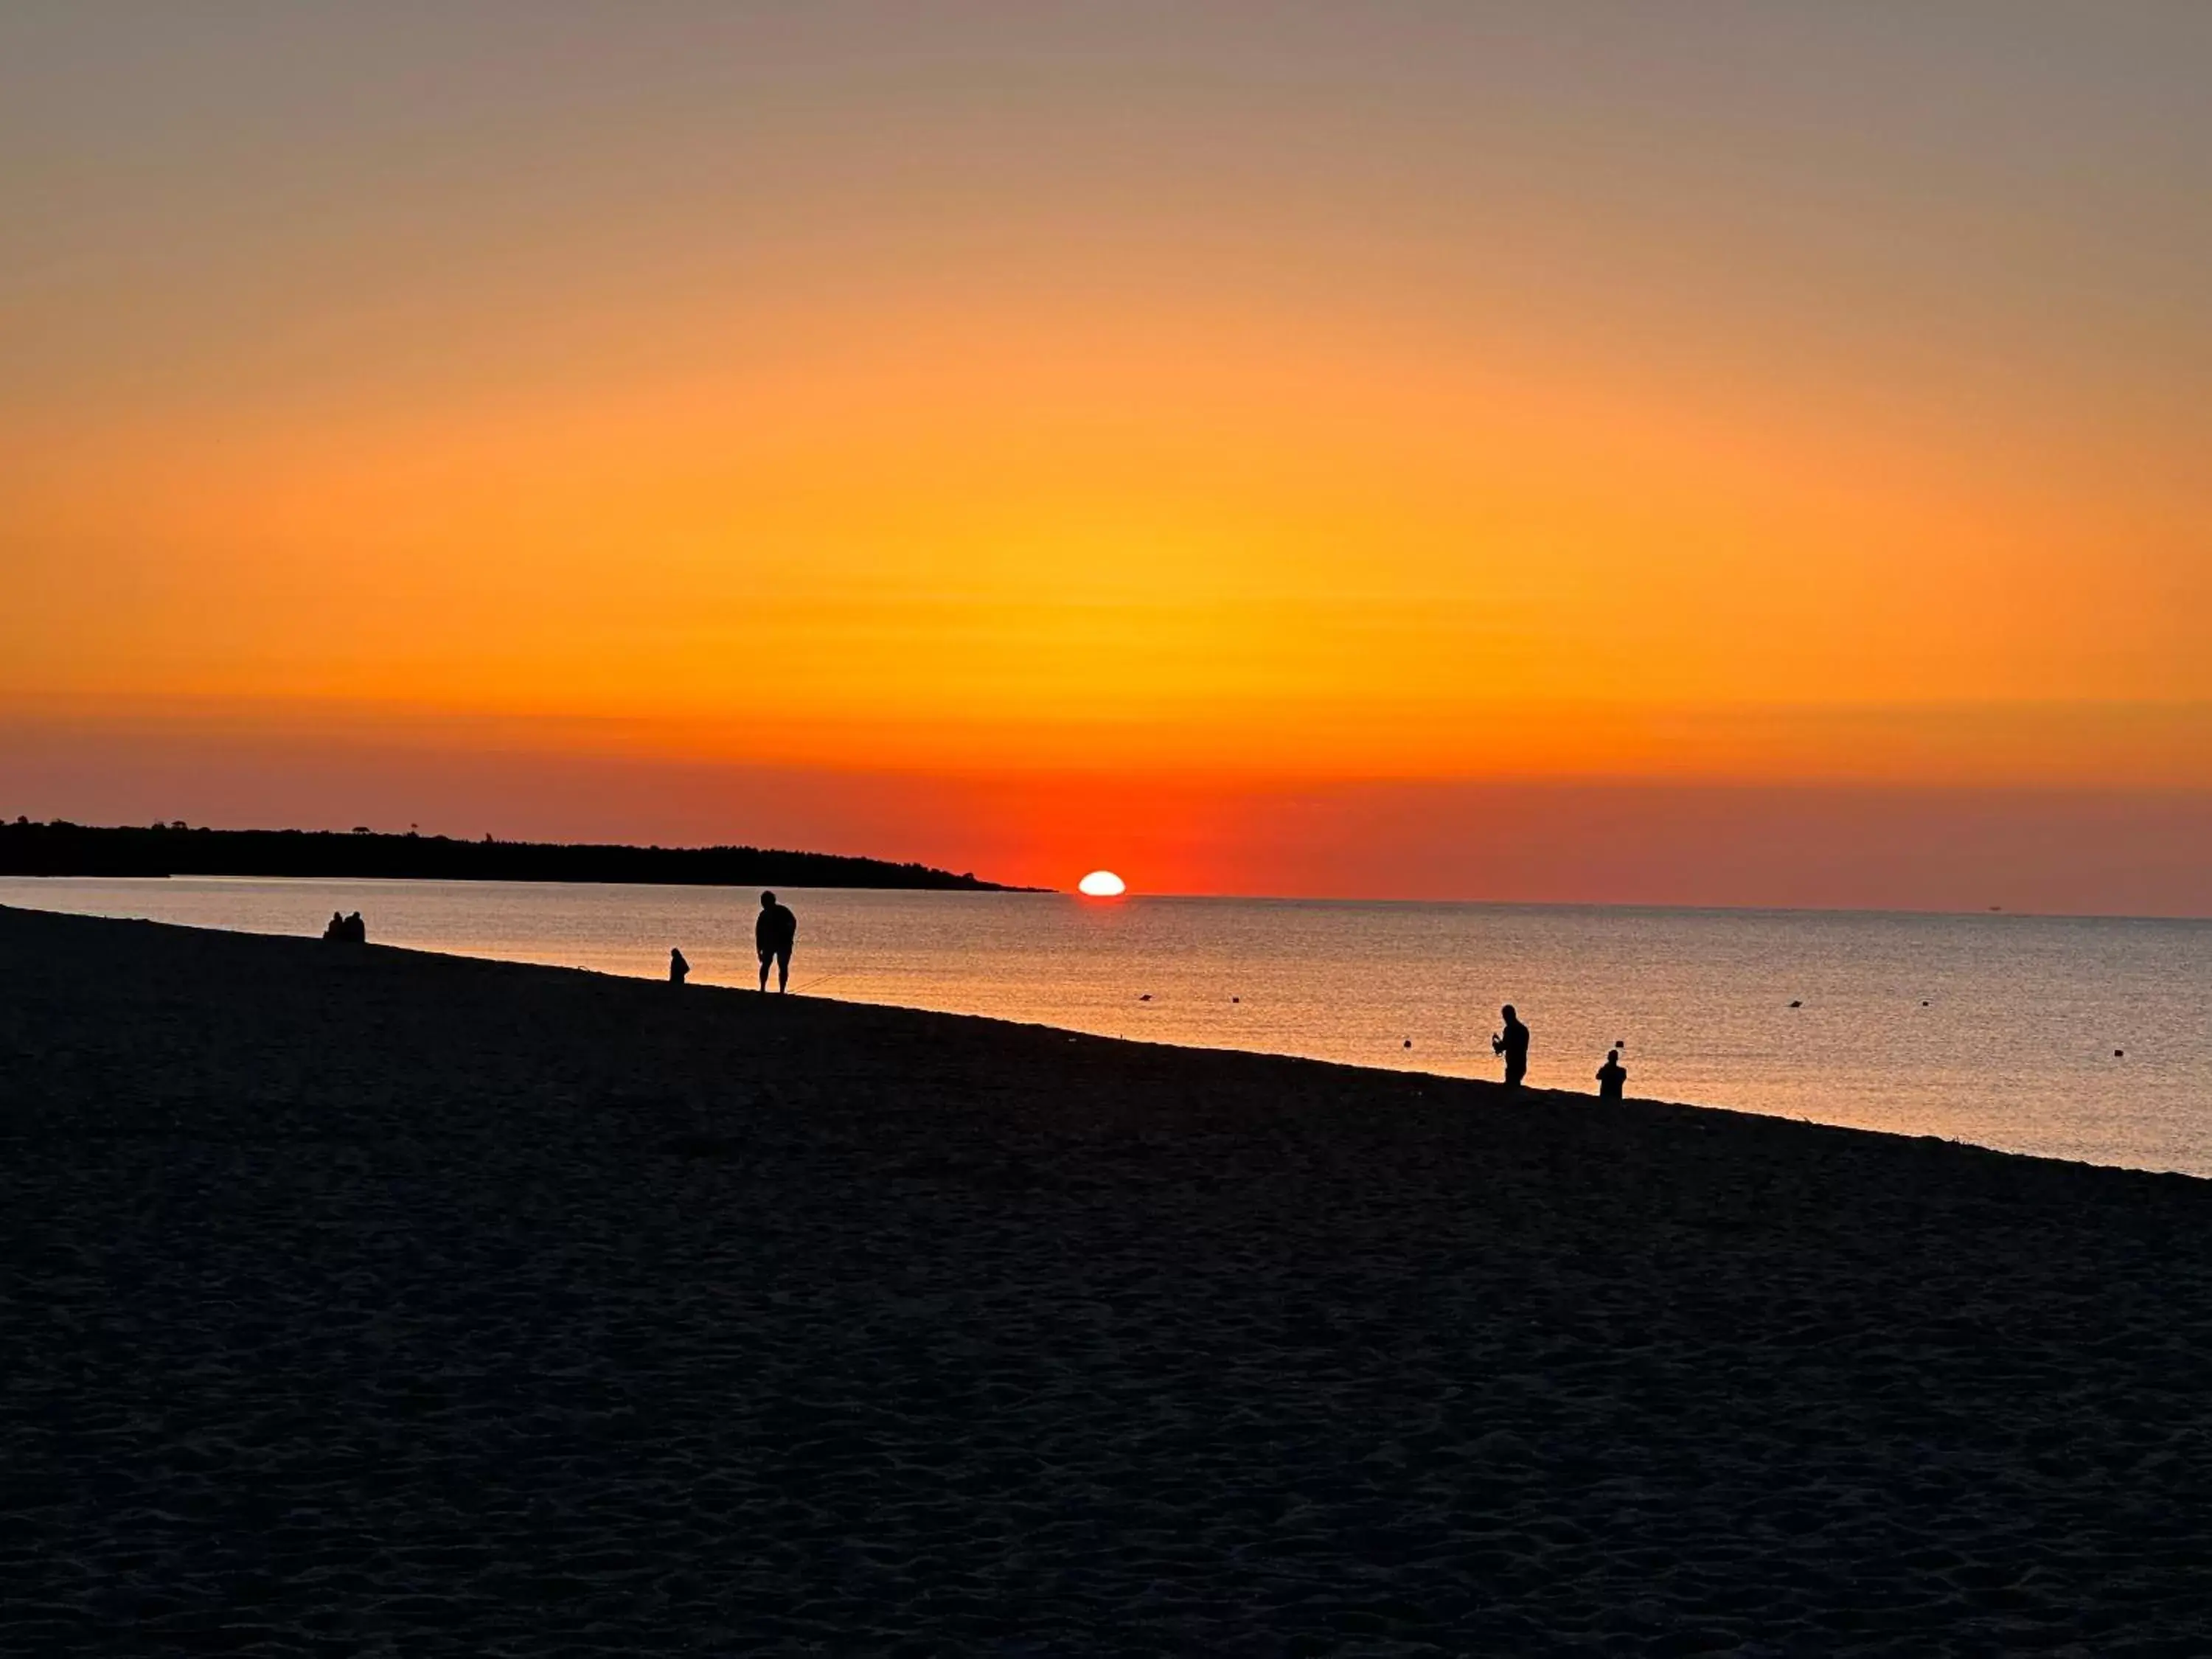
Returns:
(364, 1302)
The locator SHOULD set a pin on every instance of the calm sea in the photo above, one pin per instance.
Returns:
(2079, 1038)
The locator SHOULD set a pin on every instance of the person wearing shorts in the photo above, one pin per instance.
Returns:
(774, 933)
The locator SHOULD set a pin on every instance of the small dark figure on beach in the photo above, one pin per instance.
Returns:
(1611, 1076)
(1513, 1044)
(357, 930)
(774, 933)
(337, 930)
(678, 968)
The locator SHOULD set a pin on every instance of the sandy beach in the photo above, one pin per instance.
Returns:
(365, 1302)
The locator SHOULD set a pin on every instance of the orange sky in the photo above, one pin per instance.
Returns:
(1223, 399)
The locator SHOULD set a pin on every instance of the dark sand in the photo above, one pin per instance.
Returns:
(363, 1302)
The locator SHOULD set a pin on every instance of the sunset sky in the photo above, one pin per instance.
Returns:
(1713, 453)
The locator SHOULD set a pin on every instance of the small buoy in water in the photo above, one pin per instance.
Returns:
(1924, 1002)
(1147, 997)
(1796, 1004)
(2116, 1053)
(1237, 998)
(1409, 1042)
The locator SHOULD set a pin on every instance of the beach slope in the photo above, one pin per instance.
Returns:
(360, 1301)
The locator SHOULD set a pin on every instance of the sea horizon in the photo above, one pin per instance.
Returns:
(1009, 889)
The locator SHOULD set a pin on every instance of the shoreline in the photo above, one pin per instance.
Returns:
(2166, 1150)
(384, 1297)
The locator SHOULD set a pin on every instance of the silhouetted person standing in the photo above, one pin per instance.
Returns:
(774, 934)
(1611, 1076)
(1513, 1044)
(678, 968)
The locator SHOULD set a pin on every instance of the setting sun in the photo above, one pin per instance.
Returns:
(1376, 454)
(1102, 883)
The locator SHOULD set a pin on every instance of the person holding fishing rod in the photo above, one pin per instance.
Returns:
(1512, 1043)
(774, 931)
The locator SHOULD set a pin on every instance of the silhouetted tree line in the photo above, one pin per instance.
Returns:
(173, 849)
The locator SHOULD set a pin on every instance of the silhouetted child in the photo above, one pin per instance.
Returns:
(1611, 1076)
(1513, 1044)
(774, 933)
(678, 968)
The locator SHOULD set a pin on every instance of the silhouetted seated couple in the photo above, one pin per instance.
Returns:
(347, 930)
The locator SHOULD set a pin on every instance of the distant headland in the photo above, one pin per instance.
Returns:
(60, 849)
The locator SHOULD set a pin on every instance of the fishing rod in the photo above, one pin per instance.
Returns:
(806, 985)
